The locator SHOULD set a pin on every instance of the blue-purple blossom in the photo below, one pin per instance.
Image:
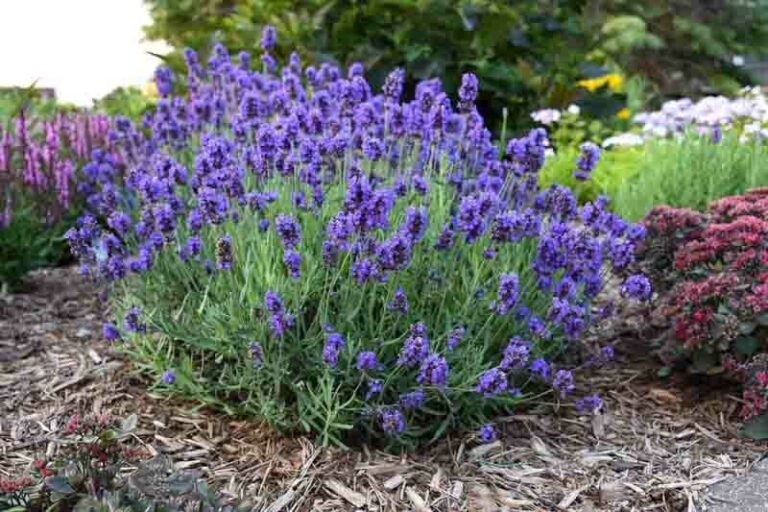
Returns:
(434, 371)
(454, 338)
(589, 404)
(487, 433)
(257, 354)
(412, 400)
(507, 294)
(268, 38)
(392, 422)
(109, 332)
(374, 388)
(132, 321)
(468, 91)
(288, 230)
(169, 377)
(273, 302)
(492, 382)
(224, 252)
(562, 382)
(334, 342)
(637, 287)
(399, 301)
(540, 368)
(515, 354)
(415, 348)
(366, 361)
(292, 261)
(590, 154)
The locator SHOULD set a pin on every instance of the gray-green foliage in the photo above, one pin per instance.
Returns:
(202, 325)
(691, 172)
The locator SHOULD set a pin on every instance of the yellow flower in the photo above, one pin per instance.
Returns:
(149, 89)
(623, 114)
(614, 82)
(591, 84)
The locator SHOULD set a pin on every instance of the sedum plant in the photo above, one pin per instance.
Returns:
(293, 246)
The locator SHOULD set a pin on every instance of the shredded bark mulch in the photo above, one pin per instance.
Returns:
(657, 445)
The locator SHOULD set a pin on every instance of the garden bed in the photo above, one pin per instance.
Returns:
(655, 446)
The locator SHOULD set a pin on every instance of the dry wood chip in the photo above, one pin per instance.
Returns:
(353, 497)
(394, 482)
(481, 451)
(417, 501)
(662, 395)
(571, 497)
(458, 489)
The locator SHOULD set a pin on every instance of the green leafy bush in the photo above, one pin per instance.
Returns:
(691, 171)
(615, 167)
(526, 53)
(28, 242)
(130, 102)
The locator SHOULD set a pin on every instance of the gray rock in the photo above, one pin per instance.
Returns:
(745, 493)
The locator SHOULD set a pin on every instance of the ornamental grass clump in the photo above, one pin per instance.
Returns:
(296, 247)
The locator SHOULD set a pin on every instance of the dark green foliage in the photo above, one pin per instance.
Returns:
(525, 53)
(125, 101)
(28, 243)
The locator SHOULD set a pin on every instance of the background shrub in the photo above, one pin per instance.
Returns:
(526, 53)
(616, 167)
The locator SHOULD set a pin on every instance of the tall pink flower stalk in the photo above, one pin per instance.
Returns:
(40, 159)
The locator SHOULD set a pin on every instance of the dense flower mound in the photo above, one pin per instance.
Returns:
(748, 112)
(718, 287)
(295, 246)
(39, 160)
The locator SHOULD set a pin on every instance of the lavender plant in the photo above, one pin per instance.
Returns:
(294, 246)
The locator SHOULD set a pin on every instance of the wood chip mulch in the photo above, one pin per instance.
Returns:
(657, 445)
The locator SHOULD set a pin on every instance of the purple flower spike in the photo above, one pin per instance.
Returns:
(492, 382)
(109, 332)
(333, 345)
(541, 369)
(563, 382)
(224, 253)
(392, 422)
(412, 400)
(590, 154)
(268, 38)
(434, 371)
(169, 377)
(507, 294)
(257, 355)
(292, 261)
(366, 361)
(399, 301)
(487, 433)
(637, 287)
(288, 230)
(589, 404)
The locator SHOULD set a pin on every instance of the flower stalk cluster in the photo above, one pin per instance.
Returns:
(334, 258)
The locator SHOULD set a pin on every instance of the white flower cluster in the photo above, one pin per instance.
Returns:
(750, 110)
